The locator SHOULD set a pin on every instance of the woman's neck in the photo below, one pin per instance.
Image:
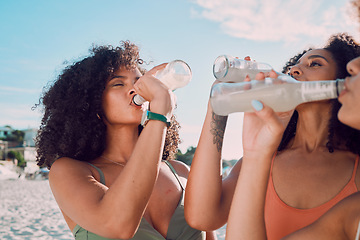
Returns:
(312, 128)
(120, 142)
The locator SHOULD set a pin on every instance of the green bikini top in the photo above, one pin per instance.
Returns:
(178, 227)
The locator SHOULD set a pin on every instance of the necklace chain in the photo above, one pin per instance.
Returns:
(121, 164)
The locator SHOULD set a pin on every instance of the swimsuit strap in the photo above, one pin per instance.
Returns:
(272, 162)
(102, 177)
(358, 233)
(355, 168)
(175, 174)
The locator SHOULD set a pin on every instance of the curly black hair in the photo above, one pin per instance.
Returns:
(70, 126)
(343, 49)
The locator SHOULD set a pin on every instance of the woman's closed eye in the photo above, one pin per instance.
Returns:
(118, 84)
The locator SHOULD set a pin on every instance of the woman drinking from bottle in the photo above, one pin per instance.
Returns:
(350, 97)
(111, 177)
(341, 222)
(315, 167)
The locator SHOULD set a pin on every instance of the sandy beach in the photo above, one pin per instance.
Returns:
(29, 211)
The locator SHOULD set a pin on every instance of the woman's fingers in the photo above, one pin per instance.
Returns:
(260, 76)
(156, 68)
(268, 116)
(273, 74)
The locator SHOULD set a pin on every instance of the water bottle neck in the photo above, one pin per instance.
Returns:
(321, 90)
(340, 86)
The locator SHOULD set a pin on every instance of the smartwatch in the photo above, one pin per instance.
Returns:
(147, 115)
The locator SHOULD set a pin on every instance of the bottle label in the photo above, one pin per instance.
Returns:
(318, 90)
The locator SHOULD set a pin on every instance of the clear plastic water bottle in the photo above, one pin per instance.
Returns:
(281, 94)
(176, 74)
(231, 69)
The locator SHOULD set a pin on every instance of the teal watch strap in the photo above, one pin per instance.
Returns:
(156, 116)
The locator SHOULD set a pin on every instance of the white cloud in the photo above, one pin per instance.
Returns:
(276, 20)
(329, 15)
(18, 90)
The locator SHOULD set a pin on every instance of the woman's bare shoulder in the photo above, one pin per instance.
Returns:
(180, 167)
(65, 165)
(65, 168)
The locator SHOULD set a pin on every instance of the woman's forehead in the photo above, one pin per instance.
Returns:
(318, 52)
(123, 69)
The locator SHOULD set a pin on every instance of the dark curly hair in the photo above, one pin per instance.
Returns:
(70, 126)
(343, 49)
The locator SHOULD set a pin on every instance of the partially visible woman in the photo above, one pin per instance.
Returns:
(111, 177)
(340, 222)
(350, 97)
(343, 220)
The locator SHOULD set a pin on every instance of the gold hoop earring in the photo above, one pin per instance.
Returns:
(98, 116)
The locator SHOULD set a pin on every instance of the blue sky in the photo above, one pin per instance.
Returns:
(38, 36)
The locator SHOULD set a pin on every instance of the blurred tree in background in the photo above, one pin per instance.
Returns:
(16, 136)
(19, 157)
(13, 135)
(11, 155)
(186, 157)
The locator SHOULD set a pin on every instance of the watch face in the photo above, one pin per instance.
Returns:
(144, 117)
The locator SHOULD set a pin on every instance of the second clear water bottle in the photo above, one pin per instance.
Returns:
(232, 69)
(281, 94)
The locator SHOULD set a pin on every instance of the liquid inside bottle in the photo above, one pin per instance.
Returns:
(282, 94)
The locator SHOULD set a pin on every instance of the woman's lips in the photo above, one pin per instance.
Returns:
(343, 92)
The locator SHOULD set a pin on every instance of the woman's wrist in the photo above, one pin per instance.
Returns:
(258, 156)
(162, 106)
(148, 115)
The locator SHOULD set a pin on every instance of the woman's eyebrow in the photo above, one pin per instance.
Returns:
(118, 76)
(311, 57)
(317, 56)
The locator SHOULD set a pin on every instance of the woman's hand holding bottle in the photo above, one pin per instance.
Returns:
(176, 74)
(263, 128)
(154, 91)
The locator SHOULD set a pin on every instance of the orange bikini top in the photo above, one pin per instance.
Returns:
(281, 219)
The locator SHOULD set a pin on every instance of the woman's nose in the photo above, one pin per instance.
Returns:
(131, 89)
(132, 92)
(353, 67)
(295, 71)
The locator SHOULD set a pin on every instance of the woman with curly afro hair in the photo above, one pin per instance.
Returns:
(111, 177)
(310, 187)
(316, 166)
